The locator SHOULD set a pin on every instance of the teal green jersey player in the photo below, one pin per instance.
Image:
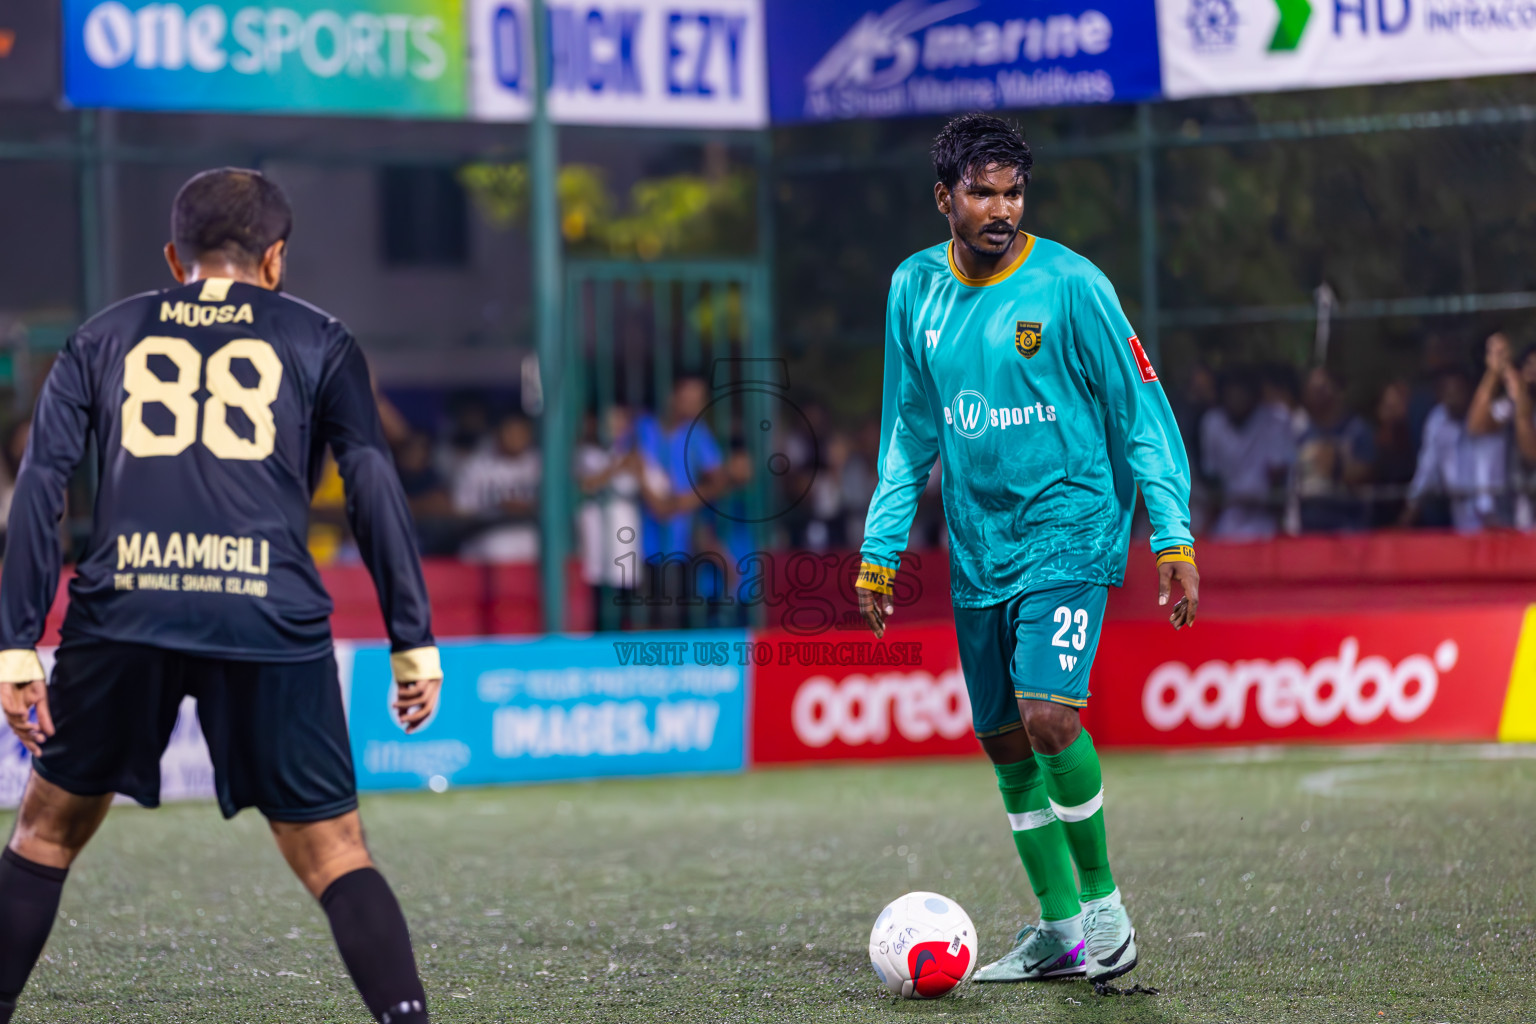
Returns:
(1008, 360)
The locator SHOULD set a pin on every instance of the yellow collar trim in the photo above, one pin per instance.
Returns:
(1001, 275)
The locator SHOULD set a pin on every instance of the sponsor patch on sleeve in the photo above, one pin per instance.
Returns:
(1148, 374)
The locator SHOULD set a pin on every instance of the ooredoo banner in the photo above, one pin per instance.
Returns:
(840, 696)
(402, 58)
(1212, 47)
(676, 63)
(1389, 677)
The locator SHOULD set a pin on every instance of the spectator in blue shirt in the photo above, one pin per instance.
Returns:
(682, 444)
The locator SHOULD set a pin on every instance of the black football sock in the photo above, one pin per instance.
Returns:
(375, 945)
(29, 901)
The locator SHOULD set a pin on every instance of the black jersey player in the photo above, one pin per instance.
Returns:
(211, 406)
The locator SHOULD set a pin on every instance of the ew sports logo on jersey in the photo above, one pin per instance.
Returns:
(971, 414)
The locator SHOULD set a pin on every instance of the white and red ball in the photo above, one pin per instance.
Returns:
(922, 945)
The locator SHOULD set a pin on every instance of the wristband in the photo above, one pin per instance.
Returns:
(416, 664)
(1179, 553)
(875, 577)
(20, 665)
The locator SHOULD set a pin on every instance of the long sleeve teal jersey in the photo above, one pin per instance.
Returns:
(1032, 388)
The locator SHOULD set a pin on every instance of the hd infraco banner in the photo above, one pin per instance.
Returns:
(403, 58)
(1213, 47)
(834, 59)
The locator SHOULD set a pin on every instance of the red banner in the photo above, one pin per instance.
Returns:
(841, 696)
(1367, 678)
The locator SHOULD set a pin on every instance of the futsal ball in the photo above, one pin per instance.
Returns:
(922, 946)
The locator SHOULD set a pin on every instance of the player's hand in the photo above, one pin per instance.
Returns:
(1188, 578)
(18, 701)
(416, 703)
(875, 608)
(1497, 353)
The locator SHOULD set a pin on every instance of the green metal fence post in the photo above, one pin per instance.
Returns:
(1146, 201)
(758, 314)
(555, 440)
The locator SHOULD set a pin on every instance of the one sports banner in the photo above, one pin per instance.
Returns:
(554, 708)
(834, 59)
(663, 63)
(1212, 47)
(400, 58)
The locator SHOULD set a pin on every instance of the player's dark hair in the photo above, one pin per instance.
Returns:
(233, 211)
(973, 142)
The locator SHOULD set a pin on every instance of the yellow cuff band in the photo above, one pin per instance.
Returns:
(875, 577)
(20, 665)
(416, 664)
(1182, 553)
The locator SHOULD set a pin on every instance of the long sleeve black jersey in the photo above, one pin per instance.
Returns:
(211, 406)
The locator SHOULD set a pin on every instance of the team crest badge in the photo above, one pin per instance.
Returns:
(1026, 338)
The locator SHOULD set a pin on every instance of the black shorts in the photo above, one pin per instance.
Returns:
(276, 732)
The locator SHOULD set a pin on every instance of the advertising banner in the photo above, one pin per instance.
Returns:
(1231, 46)
(29, 50)
(558, 708)
(835, 59)
(400, 58)
(846, 696)
(1358, 678)
(677, 63)
(186, 772)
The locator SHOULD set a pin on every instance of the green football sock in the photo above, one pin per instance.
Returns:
(1075, 786)
(1041, 843)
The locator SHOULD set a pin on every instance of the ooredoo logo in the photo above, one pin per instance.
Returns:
(1215, 695)
(862, 709)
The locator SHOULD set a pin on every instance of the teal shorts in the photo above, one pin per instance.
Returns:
(1035, 646)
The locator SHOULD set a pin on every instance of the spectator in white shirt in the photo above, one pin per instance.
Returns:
(1502, 403)
(1247, 450)
(1466, 469)
(615, 477)
(501, 487)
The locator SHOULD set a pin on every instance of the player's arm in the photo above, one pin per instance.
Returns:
(908, 445)
(381, 521)
(1140, 415)
(30, 579)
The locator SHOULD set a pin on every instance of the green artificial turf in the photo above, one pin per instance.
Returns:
(1310, 886)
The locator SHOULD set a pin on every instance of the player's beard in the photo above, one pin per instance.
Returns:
(978, 244)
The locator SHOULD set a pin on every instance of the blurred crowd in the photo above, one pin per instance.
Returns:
(1273, 451)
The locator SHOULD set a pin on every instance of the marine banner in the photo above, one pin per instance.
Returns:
(836, 59)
